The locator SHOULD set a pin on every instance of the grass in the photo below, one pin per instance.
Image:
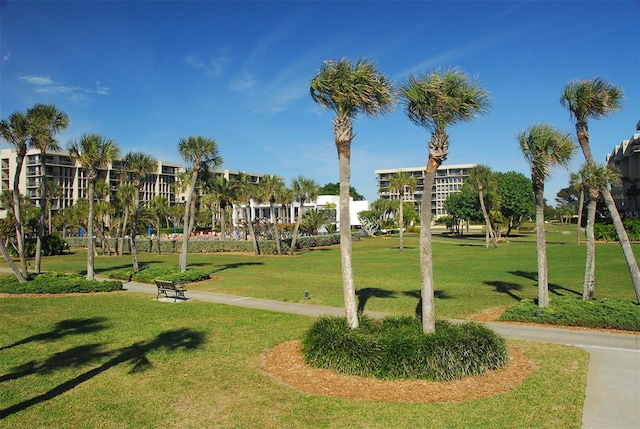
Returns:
(468, 278)
(125, 360)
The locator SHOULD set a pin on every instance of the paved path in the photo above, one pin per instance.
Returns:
(613, 382)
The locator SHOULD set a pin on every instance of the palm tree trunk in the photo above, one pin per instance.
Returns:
(590, 266)
(186, 230)
(276, 232)
(427, 296)
(487, 221)
(348, 287)
(158, 225)
(17, 214)
(7, 257)
(134, 230)
(252, 233)
(297, 227)
(43, 203)
(543, 283)
(90, 244)
(580, 208)
(583, 140)
(401, 224)
(624, 241)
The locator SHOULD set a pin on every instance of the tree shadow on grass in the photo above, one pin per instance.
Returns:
(234, 265)
(135, 354)
(371, 292)
(506, 288)
(438, 294)
(63, 329)
(553, 288)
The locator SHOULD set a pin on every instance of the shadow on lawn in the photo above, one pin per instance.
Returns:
(65, 328)
(371, 292)
(505, 287)
(235, 265)
(77, 357)
(553, 288)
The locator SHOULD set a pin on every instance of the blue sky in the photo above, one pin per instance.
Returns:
(149, 73)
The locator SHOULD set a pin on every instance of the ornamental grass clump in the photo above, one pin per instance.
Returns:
(396, 348)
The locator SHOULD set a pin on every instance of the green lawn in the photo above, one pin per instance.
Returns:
(468, 277)
(124, 360)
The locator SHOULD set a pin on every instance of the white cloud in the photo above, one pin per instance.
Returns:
(243, 82)
(213, 67)
(6, 57)
(46, 85)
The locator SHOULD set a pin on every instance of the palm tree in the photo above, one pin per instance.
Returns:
(222, 191)
(435, 101)
(124, 197)
(270, 188)
(594, 179)
(140, 165)
(596, 98)
(15, 131)
(159, 207)
(481, 178)
(45, 121)
(202, 153)
(303, 190)
(348, 89)
(314, 219)
(54, 192)
(402, 183)
(544, 147)
(576, 183)
(245, 191)
(92, 152)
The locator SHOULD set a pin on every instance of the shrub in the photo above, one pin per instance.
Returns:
(51, 245)
(149, 275)
(55, 283)
(396, 348)
(612, 313)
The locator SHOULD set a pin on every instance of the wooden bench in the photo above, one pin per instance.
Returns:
(166, 287)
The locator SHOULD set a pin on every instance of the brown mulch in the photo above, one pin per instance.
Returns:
(285, 363)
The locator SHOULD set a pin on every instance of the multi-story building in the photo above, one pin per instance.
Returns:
(449, 179)
(70, 177)
(626, 157)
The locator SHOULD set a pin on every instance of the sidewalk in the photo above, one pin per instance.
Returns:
(613, 383)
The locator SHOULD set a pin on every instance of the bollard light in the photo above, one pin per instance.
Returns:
(306, 295)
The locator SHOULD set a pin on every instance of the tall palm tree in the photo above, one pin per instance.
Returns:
(15, 131)
(481, 178)
(402, 183)
(159, 207)
(54, 192)
(45, 121)
(140, 165)
(245, 191)
(202, 153)
(348, 89)
(92, 152)
(303, 190)
(124, 197)
(222, 190)
(596, 98)
(544, 147)
(594, 179)
(270, 188)
(576, 182)
(435, 101)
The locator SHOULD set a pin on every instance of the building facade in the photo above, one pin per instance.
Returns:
(449, 179)
(70, 177)
(626, 157)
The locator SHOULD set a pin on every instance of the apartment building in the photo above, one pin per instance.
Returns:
(70, 177)
(449, 179)
(626, 157)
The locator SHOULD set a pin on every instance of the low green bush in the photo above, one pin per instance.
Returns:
(396, 348)
(612, 313)
(149, 275)
(51, 245)
(55, 283)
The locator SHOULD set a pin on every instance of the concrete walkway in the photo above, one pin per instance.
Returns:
(613, 382)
